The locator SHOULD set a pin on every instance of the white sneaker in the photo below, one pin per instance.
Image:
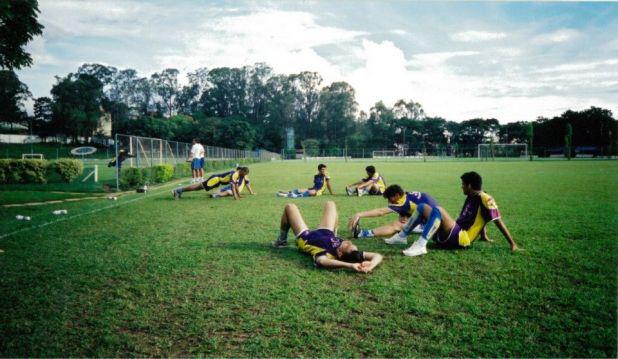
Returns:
(418, 229)
(349, 191)
(416, 249)
(396, 239)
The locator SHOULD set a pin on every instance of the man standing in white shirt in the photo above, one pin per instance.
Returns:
(197, 161)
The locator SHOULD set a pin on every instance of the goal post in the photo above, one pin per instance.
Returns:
(383, 154)
(502, 150)
(30, 156)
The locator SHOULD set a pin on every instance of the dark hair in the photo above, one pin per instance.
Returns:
(473, 179)
(370, 169)
(353, 257)
(244, 169)
(321, 165)
(392, 190)
(196, 140)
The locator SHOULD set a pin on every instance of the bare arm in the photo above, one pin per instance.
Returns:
(378, 212)
(374, 260)
(235, 191)
(334, 264)
(507, 235)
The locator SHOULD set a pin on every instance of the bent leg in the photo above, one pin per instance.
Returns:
(329, 219)
(291, 218)
(388, 229)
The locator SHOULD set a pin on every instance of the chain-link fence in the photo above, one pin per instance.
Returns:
(148, 152)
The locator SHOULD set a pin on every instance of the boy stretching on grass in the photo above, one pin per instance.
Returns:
(327, 250)
(227, 190)
(400, 202)
(372, 185)
(321, 181)
(232, 178)
(478, 210)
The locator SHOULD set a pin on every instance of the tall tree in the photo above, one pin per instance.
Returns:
(337, 112)
(13, 93)
(18, 25)
(43, 114)
(307, 99)
(77, 104)
(165, 85)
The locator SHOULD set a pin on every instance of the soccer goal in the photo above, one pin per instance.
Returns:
(383, 154)
(30, 156)
(502, 150)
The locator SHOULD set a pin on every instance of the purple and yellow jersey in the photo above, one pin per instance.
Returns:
(409, 201)
(377, 179)
(319, 183)
(478, 209)
(318, 243)
(241, 184)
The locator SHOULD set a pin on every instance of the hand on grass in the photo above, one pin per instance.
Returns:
(352, 222)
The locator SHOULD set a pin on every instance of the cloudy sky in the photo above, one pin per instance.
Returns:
(511, 61)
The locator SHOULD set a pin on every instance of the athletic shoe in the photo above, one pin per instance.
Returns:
(415, 249)
(418, 229)
(356, 229)
(176, 194)
(349, 191)
(396, 239)
(281, 194)
(360, 192)
(280, 244)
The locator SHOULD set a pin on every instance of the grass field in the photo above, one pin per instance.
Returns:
(149, 276)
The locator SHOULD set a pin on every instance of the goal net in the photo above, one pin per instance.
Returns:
(502, 150)
(383, 154)
(26, 156)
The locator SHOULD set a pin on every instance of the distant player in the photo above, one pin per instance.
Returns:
(233, 178)
(478, 210)
(372, 185)
(117, 162)
(196, 156)
(327, 250)
(402, 203)
(321, 181)
(227, 190)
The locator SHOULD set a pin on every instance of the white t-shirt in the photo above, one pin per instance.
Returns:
(197, 151)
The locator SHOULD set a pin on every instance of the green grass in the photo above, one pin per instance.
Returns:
(35, 192)
(150, 276)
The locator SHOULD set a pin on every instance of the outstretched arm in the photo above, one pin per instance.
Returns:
(378, 212)
(373, 260)
(250, 189)
(334, 264)
(507, 235)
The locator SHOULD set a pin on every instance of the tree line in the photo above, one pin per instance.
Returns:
(251, 107)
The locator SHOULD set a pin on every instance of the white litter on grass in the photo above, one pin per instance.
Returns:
(19, 217)
(60, 211)
(113, 198)
(45, 224)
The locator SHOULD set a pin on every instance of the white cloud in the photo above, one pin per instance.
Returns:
(558, 36)
(577, 67)
(477, 36)
(286, 41)
(399, 32)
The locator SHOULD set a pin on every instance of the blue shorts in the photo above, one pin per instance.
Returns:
(197, 164)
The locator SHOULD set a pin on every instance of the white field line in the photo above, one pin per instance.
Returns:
(45, 224)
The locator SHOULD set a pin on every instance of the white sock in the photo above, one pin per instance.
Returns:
(422, 241)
